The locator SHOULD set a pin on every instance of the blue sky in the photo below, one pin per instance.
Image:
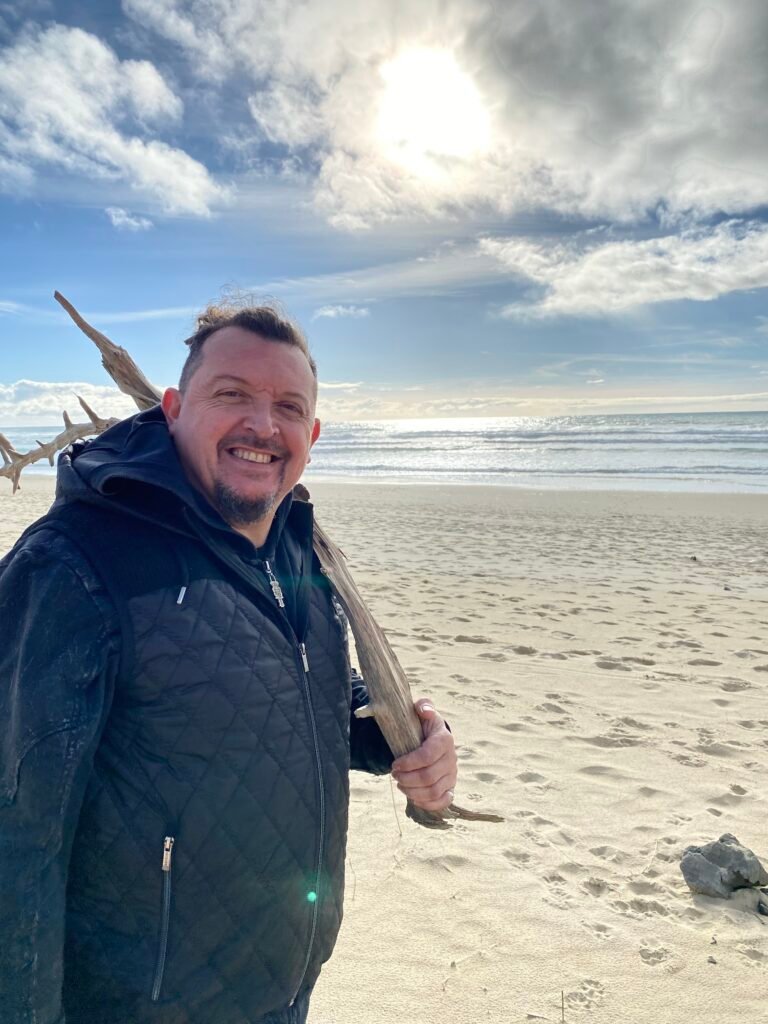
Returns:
(472, 208)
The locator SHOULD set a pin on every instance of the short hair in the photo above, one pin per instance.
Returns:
(267, 321)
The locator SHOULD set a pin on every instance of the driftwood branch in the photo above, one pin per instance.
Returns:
(388, 688)
(14, 462)
(116, 361)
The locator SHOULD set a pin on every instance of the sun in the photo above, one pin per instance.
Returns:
(429, 110)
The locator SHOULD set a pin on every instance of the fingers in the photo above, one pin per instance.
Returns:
(432, 798)
(430, 751)
(427, 776)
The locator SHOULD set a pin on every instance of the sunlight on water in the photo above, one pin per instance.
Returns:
(689, 452)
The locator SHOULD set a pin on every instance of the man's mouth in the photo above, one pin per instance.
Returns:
(247, 455)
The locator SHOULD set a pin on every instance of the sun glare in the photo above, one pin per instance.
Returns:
(429, 108)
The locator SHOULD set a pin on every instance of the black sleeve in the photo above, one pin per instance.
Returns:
(369, 750)
(58, 660)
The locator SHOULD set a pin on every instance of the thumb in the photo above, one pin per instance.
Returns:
(430, 718)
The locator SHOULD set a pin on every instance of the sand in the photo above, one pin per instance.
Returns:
(603, 661)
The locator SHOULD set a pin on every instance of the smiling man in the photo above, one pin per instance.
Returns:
(174, 775)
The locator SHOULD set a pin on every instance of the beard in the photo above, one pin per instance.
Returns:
(238, 510)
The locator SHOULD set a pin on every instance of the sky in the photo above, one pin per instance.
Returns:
(506, 208)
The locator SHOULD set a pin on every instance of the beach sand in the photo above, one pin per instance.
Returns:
(603, 661)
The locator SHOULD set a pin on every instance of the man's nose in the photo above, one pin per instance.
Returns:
(259, 419)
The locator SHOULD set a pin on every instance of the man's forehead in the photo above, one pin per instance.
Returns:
(241, 355)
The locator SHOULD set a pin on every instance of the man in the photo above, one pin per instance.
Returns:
(176, 701)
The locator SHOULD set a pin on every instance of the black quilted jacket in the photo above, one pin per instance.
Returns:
(175, 752)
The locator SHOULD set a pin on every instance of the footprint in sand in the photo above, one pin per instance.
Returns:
(705, 661)
(610, 740)
(557, 895)
(463, 639)
(735, 685)
(599, 931)
(754, 956)
(597, 887)
(518, 858)
(609, 853)
(689, 760)
(529, 777)
(733, 796)
(654, 955)
(589, 993)
(639, 907)
(612, 666)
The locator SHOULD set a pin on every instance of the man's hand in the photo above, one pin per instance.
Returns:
(427, 776)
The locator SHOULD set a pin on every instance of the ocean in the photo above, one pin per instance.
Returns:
(703, 452)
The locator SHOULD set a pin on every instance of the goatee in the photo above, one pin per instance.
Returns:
(241, 511)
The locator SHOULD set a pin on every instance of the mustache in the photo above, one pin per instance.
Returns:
(251, 441)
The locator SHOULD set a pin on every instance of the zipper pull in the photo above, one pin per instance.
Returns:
(304, 658)
(167, 852)
(274, 584)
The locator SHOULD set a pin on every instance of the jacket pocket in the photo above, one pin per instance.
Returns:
(165, 917)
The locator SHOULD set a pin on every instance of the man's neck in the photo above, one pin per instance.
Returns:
(256, 533)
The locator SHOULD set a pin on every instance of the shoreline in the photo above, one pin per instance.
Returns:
(41, 481)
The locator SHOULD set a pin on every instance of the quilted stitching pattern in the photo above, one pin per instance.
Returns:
(212, 738)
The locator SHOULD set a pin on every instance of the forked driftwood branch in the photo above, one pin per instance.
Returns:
(388, 687)
(14, 462)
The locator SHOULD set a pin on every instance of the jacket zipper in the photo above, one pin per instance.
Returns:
(274, 583)
(278, 595)
(321, 845)
(165, 918)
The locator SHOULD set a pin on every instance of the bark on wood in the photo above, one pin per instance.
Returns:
(388, 689)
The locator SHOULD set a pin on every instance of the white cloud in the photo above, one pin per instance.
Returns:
(335, 312)
(594, 109)
(42, 402)
(604, 278)
(327, 385)
(452, 269)
(68, 102)
(370, 404)
(124, 221)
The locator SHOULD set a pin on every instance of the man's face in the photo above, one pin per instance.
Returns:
(245, 424)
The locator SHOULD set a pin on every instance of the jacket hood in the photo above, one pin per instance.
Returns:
(134, 466)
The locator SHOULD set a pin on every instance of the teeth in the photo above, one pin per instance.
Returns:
(243, 453)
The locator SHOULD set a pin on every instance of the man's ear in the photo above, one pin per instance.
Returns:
(170, 403)
(313, 437)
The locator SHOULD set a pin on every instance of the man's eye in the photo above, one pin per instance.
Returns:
(292, 408)
(229, 393)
